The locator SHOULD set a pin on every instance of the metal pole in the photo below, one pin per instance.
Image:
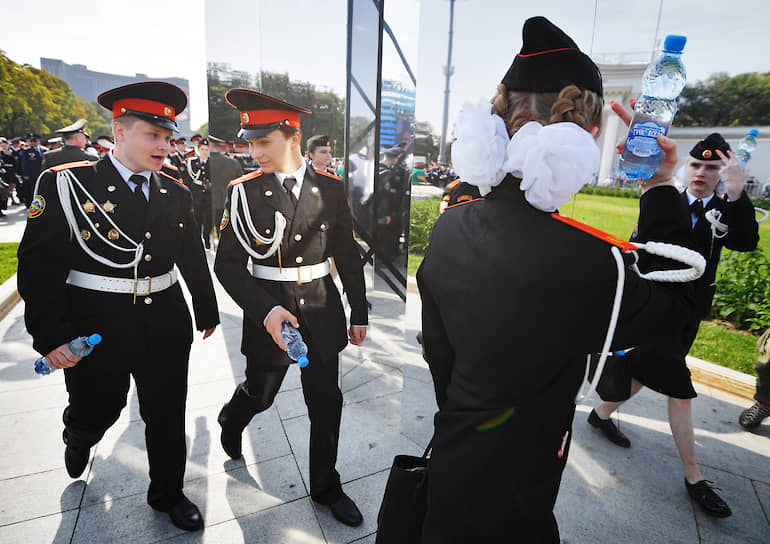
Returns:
(657, 29)
(448, 70)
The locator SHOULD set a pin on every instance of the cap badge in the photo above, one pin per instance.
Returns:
(109, 207)
(706, 154)
(167, 111)
(113, 234)
(245, 117)
(88, 206)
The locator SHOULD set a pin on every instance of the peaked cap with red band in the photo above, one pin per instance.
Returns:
(153, 101)
(261, 114)
(550, 60)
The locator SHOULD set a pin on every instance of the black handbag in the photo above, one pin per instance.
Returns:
(404, 503)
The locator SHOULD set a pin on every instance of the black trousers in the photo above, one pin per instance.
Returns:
(98, 386)
(324, 405)
(202, 210)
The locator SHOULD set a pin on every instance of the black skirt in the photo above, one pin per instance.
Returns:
(661, 365)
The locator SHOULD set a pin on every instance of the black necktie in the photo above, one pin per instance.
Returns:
(139, 197)
(696, 209)
(288, 184)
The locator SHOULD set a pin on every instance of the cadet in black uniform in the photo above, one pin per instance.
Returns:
(199, 173)
(103, 262)
(662, 366)
(505, 380)
(300, 218)
(72, 151)
(31, 166)
(320, 153)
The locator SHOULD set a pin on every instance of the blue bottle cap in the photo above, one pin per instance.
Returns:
(674, 43)
(94, 339)
(302, 361)
(753, 133)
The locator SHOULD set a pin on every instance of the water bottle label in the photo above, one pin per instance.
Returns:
(643, 139)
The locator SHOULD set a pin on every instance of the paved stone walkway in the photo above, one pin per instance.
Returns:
(608, 494)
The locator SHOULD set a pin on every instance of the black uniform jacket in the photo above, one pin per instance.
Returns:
(55, 312)
(199, 175)
(506, 335)
(742, 235)
(319, 227)
(67, 153)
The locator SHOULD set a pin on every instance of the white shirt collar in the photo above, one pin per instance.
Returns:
(126, 173)
(691, 198)
(299, 175)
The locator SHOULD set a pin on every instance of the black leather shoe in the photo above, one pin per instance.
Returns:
(231, 442)
(609, 430)
(345, 511)
(186, 515)
(753, 416)
(76, 461)
(711, 503)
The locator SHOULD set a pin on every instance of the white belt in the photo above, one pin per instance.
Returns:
(196, 182)
(300, 274)
(137, 287)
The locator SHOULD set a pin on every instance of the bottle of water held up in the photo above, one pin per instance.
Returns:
(80, 347)
(663, 80)
(746, 147)
(295, 346)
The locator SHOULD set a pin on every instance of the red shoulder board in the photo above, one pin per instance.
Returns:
(246, 177)
(453, 184)
(609, 238)
(169, 165)
(463, 203)
(68, 165)
(189, 154)
(327, 174)
(169, 176)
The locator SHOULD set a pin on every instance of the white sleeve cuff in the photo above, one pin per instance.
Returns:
(274, 308)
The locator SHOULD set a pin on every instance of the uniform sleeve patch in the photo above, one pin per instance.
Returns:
(225, 220)
(37, 207)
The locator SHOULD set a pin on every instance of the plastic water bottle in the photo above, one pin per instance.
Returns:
(746, 147)
(662, 82)
(295, 345)
(80, 347)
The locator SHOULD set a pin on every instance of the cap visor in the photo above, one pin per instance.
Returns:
(249, 133)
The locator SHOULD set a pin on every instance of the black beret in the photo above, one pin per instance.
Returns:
(706, 149)
(550, 60)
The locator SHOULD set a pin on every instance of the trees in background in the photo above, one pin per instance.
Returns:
(33, 100)
(726, 101)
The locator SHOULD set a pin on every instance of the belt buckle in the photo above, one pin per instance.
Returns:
(140, 293)
(304, 274)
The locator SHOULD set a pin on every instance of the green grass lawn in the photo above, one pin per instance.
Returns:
(733, 349)
(8, 261)
(617, 216)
